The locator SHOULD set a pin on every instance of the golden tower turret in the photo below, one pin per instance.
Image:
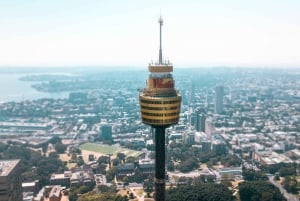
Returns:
(160, 107)
(160, 101)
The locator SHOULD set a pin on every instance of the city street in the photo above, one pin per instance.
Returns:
(288, 196)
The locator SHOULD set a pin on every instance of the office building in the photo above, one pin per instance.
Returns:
(200, 119)
(106, 132)
(10, 181)
(219, 93)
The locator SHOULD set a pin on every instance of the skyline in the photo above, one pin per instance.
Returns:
(195, 34)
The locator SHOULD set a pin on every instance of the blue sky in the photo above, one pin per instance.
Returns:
(196, 33)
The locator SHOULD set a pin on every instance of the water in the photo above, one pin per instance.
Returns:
(12, 89)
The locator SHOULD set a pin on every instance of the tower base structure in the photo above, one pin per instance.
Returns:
(160, 164)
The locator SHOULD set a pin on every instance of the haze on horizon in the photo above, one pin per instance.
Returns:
(258, 33)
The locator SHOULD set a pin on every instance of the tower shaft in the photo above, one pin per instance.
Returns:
(160, 163)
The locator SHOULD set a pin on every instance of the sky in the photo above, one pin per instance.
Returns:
(196, 33)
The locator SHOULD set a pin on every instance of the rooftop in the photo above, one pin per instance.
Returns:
(6, 166)
(55, 192)
(59, 176)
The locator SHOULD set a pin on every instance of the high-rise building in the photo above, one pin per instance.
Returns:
(200, 118)
(10, 181)
(206, 145)
(209, 100)
(106, 132)
(192, 92)
(160, 108)
(78, 97)
(219, 93)
(192, 119)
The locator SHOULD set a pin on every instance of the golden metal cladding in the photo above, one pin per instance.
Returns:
(162, 111)
(160, 68)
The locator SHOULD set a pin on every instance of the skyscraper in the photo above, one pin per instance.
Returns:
(191, 92)
(10, 181)
(200, 119)
(219, 93)
(160, 108)
(106, 132)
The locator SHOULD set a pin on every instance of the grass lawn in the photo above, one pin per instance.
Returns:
(107, 149)
(139, 192)
(71, 165)
(66, 158)
(123, 192)
(203, 166)
(148, 199)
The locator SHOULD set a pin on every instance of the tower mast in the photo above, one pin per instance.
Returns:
(160, 21)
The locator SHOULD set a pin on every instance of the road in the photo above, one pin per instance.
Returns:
(140, 198)
(288, 196)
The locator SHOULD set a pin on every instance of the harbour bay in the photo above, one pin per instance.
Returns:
(13, 89)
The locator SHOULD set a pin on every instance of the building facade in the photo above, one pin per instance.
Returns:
(10, 181)
(219, 93)
(106, 132)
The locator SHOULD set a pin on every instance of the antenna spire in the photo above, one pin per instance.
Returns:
(160, 21)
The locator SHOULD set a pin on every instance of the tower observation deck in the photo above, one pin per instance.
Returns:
(160, 108)
(160, 101)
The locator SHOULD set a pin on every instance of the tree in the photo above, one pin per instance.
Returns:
(53, 155)
(226, 183)
(29, 175)
(106, 189)
(290, 184)
(110, 174)
(55, 140)
(230, 160)
(91, 157)
(188, 165)
(44, 147)
(3, 147)
(102, 168)
(80, 161)
(116, 162)
(202, 192)
(121, 156)
(131, 196)
(60, 148)
(125, 180)
(276, 177)
(83, 189)
(103, 159)
(130, 159)
(287, 171)
(170, 166)
(148, 185)
(78, 151)
(252, 175)
(259, 191)
(73, 196)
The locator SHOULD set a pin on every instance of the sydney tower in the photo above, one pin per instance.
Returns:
(160, 108)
